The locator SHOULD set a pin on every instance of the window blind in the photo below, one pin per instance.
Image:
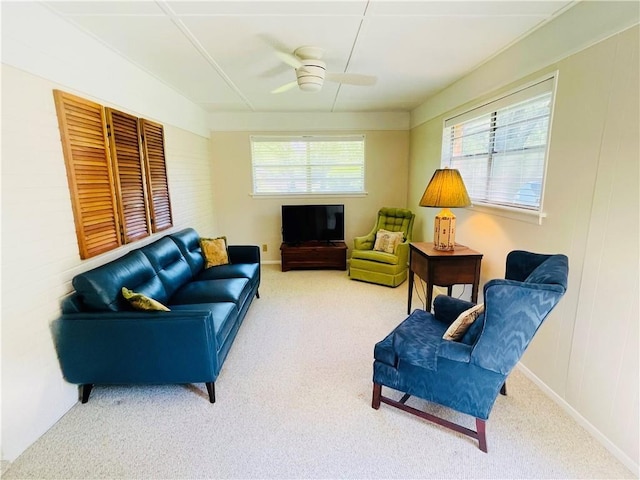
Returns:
(500, 148)
(307, 165)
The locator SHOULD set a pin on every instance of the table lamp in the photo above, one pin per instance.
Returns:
(446, 189)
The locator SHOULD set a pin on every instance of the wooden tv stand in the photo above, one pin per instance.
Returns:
(314, 255)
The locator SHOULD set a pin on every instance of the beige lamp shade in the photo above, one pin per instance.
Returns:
(446, 189)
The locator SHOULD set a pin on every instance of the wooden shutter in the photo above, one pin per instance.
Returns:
(89, 173)
(158, 186)
(126, 156)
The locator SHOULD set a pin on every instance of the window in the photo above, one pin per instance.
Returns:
(116, 173)
(500, 148)
(307, 165)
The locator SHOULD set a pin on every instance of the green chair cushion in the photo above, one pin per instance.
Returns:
(375, 256)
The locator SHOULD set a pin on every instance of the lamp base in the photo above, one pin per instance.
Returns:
(444, 232)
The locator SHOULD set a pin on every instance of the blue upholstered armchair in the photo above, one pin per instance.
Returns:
(467, 374)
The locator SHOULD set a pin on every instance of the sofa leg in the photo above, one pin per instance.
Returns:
(257, 293)
(211, 388)
(377, 390)
(84, 392)
(481, 428)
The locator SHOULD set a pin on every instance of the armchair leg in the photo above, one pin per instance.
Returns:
(211, 388)
(85, 391)
(377, 391)
(503, 389)
(478, 434)
(481, 428)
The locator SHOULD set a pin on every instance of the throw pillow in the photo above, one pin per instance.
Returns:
(460, 325)
(214, 251)
(142, 302)
(387, 241)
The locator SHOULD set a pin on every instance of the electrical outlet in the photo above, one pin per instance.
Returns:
(264, 247)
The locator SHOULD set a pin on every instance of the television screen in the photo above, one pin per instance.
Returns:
(304, 223)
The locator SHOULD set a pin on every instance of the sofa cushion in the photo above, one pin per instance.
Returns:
(100, 288)
(142, 302)
(214, 251)
(234, 290)
(374, 256)
(225, 316)
(188, 241)
(169, 263)
(236, 270)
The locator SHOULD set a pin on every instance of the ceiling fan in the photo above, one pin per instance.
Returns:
(311, 71)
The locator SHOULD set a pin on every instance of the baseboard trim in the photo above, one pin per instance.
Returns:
(583, 422)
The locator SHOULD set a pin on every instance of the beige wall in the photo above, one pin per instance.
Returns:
(40, 251)
(256, 220)
(586, 354)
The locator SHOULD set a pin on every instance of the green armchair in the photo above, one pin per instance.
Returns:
(390, 269)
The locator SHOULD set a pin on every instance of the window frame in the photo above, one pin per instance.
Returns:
(545, 84)
(308, 139)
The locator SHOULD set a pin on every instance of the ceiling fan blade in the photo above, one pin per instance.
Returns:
(285, 87)
(289, 59)
(351, 78)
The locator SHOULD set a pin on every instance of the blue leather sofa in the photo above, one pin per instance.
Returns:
(101, 339)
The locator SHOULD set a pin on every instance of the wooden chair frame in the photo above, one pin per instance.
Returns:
(480, 434)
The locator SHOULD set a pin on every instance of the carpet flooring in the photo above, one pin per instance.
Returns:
(294, 401)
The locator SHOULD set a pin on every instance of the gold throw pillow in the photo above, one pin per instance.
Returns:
(214, 251)
(142, 302)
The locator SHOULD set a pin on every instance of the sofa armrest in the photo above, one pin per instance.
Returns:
(137, 347)
(244, 253)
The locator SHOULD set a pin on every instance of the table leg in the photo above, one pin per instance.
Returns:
(429, 295)
(410, 291)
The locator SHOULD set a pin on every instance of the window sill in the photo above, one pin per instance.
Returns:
(307, 195)
(528, 216)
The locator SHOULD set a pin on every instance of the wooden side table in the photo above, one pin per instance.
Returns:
(443, 268)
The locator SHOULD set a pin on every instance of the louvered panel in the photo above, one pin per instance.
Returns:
(125, 152)
(158, 185)
(89, 173)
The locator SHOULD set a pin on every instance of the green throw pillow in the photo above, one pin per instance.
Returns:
(142, 302)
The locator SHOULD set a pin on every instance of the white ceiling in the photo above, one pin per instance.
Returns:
(220, 54)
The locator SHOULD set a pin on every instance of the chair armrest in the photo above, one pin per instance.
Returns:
(455, 351)
(402, 251)
(137, 347)
(446, 309)
(364, 242)
(244, 253)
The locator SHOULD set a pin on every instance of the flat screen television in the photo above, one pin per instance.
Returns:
(305, 223)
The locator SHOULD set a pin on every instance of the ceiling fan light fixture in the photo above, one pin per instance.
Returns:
(310, 85)
(310, 75)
